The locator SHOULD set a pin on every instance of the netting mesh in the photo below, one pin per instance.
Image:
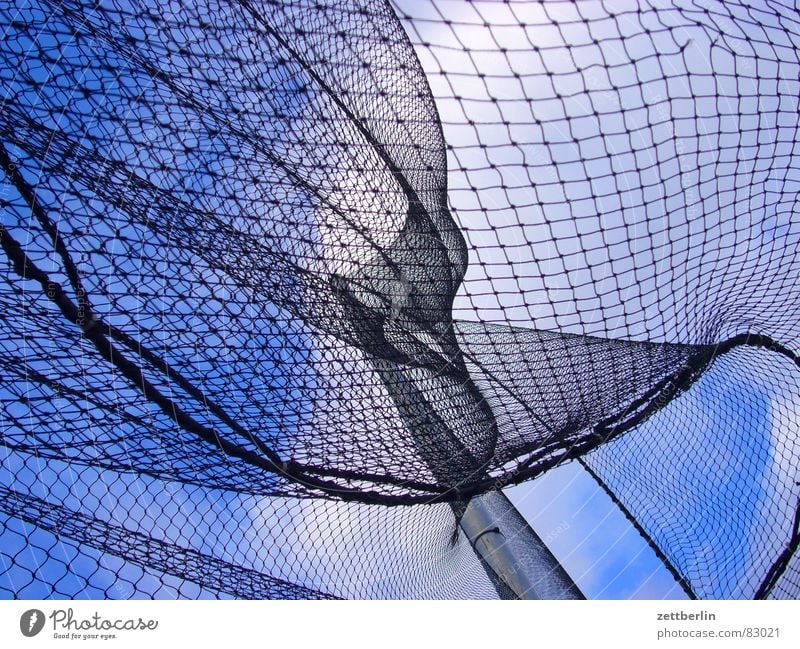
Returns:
(271, 268)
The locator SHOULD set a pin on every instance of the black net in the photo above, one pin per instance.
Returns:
(286, 283)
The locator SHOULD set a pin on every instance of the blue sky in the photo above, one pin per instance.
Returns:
(583, 214)
(732, 503)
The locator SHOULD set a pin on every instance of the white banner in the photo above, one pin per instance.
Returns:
(493, 625)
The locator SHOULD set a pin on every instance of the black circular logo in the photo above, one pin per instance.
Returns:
(31, 622)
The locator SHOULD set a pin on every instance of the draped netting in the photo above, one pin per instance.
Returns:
(285, 282)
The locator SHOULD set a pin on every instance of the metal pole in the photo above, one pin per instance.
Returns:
(505, 543)
(515, 559)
